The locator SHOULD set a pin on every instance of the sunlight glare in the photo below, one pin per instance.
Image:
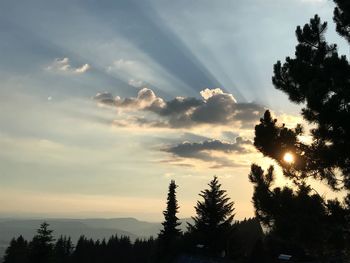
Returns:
(288, 158)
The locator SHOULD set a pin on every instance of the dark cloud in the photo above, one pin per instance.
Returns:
(177, 106)
(203, 150)
(215, 107)
(194, 149)
(145, 98)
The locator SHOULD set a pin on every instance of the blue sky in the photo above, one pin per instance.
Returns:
(103, 102)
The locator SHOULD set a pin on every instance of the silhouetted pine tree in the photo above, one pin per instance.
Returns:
(169, 235)
(213, 221)
(84, 251)
(112, 248)
(41, 246)
(125, 249)
(63, 250)
(299, 218)
(319, 79)
(342, 18)
(144, 251)
(17, 252)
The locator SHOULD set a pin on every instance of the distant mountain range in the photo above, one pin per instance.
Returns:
(94, 228)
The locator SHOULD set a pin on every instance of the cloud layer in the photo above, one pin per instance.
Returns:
(188, 149)
(215, 107)
(207, 151)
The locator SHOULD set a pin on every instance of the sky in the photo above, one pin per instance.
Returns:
(103, 102)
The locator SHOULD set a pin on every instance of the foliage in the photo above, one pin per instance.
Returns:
(17, 252)
(41, 246)
(62, 250)
(319, 79)
(116, 249)
(170, 234)
(213, 221)
(246, 234)
(342, 18)
(170, 230)
(299, 219)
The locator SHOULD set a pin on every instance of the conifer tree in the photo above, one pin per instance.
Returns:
(342, 18)
(41, 246)
(17, 252)
(170, 233)
(63, 250)
(84, 249)
(213, 221)
(170, 229)
(318, 78)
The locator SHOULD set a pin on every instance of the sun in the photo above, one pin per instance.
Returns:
(288, 158)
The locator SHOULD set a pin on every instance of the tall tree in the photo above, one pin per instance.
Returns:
(41, 246)
(171, 222)
(213, 221)
(170, 233)
(319, 79)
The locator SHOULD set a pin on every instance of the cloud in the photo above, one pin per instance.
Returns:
(205, 151)
(82, 69)
(190, 149)
(136, 83)
(105, 98)
(63, 65)
(145, 99)
(215, 107)
(208, 93)
(122, 64)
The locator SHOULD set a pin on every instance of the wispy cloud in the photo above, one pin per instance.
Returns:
(135, 72)
(64, 65)
(136, 83)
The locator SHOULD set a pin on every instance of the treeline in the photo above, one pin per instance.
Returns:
(213, 235)
(121, 249)
(43, 249)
